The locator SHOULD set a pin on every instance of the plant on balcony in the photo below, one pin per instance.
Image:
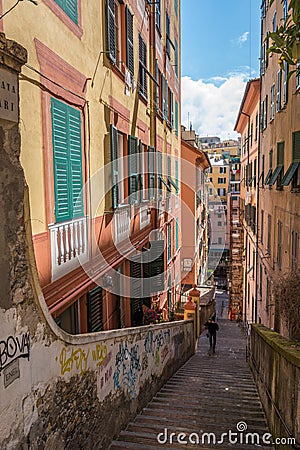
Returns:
(153, 315)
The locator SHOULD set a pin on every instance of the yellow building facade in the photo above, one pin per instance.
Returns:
(99, 109)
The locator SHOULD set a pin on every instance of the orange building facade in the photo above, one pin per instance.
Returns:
(247, 125)
(194, 212)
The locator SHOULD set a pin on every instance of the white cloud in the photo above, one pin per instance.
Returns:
(212, 108)
(242, 39)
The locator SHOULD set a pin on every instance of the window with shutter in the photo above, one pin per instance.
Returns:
(143, 67)
(95, 310)
(171, 108)
(177, 234)
(136, 286)
(133, 169)
(129, 41)
(279, 244)
(176, 7)
(278, 95)
(159, 172)
(285, 83)
(168, 46)
(114, 165)
(169, 236)
(151, 173)
(156, 259)
(176, 58)
(157, 13)
(272, 108)
(277, 174)
(176, 118)
(67, 161)
(157, 88)
(141, 171)
(113, 25)
(70, 7)
(293, 172)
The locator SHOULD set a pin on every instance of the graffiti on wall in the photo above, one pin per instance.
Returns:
(74, 359)
(105, 370)
(154, 341)
(128, 367)
(178, 341)
(79, 359)
(13, 348)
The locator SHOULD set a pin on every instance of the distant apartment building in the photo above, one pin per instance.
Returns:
(279, 174)
(99, 111)
(194, 211)
(244, 284)
(222, 178)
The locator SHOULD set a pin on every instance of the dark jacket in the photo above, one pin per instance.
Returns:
(212, 327)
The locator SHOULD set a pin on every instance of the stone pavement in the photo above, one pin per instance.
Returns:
(208, 394)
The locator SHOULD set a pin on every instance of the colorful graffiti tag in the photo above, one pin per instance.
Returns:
(127, 368)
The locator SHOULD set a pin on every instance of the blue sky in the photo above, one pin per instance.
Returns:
(220, 43)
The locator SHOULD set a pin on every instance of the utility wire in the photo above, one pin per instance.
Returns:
(16, 4)
(10, 9)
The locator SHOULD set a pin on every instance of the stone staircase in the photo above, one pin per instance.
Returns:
(209, 394)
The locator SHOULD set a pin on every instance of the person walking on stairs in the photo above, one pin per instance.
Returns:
(212, 328)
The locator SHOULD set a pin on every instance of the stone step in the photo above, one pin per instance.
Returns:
(208, 394)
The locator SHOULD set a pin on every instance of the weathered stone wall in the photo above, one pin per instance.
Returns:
(59, 391)
(275, 363)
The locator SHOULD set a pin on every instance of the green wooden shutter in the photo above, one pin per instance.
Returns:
(129, 41)
(67, 161)
(176, 7)
(111, 32)
(135, 284)
(95, 310)
(141, 170)
(176, 174)
(169, 233)
(156, 266)
(75, 153)
(143, 66)
(163, 95)
(296, 146)
(176, 118)
(166, 100)
(151, 176)
(168, 46)
(177, 234)
(159, 171)
(114, 165)
(172, 109)
(176, 58)
(70, 7)
(133, 168)
(63, 209)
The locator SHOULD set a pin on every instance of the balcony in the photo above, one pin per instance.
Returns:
(68, 243)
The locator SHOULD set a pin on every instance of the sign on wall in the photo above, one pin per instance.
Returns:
(8, 95)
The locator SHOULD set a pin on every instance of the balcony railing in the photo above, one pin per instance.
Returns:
(144, 216)
(68, 243)
(121, 229)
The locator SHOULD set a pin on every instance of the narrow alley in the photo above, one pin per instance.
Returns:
(212, 400)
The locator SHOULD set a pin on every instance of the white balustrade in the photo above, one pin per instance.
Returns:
(144, 216)
(121, 225)
(68, 242)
